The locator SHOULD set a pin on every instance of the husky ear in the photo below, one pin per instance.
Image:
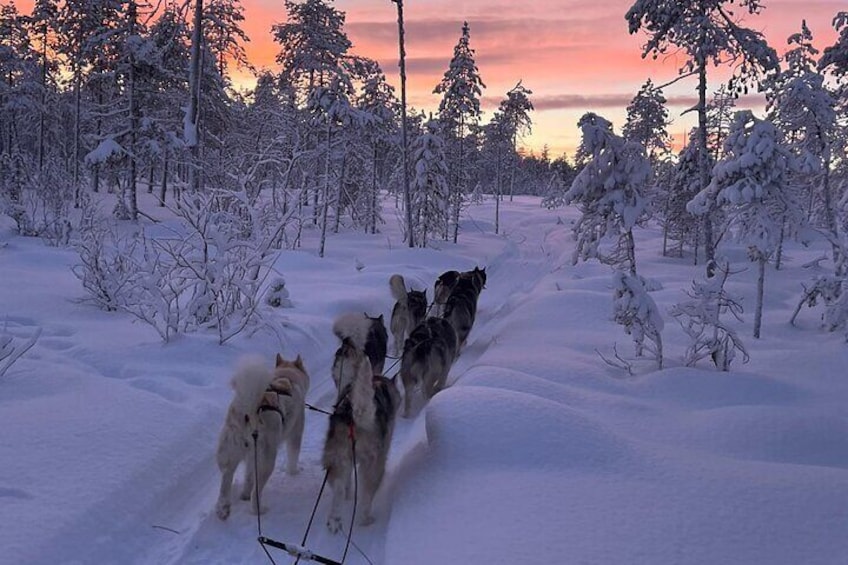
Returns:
(298, 362)
(380, 317)
(280, 360)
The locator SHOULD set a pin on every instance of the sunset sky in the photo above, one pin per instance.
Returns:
(575, 55)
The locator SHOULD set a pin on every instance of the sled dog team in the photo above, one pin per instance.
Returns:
(268, 407)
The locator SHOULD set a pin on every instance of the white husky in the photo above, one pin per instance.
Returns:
(269, 403)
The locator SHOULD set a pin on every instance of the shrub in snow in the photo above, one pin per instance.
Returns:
(106, 265)
(700, 318)
(277, 295)
(832, 291)
(207, 276)
(12, 348)
(634, 309)
(38, 204)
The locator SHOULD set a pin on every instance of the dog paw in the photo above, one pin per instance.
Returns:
(222, 509)
(366, 520)
(334, 524)
(293, 470)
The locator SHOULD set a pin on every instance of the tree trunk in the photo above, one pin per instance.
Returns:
(194, 97)
(164, 185)
(326, 202)
(372, 201)
(407, 199)
(77, 127)
(630, 245)
(461, 188)
(498, 191)
(758, 315)
(339, 196)
(41, 112)
(704, 164)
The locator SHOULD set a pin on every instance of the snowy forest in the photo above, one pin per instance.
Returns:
(159, 220)
(119, 97)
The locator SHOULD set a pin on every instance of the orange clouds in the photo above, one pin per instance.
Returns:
(575, 55)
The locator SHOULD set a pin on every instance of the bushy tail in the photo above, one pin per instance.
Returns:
(249, 382)
(353, 326)
(398, 287)
(362, 393)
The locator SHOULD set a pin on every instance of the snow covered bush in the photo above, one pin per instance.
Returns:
(39, 204)
(106, 265)
(205, 275)
(277, 295)
(634, 309)
(700, 318)
(832, 291)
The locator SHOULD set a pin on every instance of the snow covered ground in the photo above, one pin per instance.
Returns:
(537, 453)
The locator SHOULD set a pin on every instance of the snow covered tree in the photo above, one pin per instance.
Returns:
(700, 318)
(516, 114)
(682, 185)
(16, 67)
(834, 59)
(430, 190)
(461, 88)
(313, 44)
(801, 106)
(377, 99)
(331, 105)
(607, 192)
(647, 121)
(720, 111)
(752, 183)
(169, 87)
(42, 22)
(634, 309)
(224, 35)
(707, 32)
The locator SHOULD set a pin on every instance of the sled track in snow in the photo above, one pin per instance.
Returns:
(290, 499)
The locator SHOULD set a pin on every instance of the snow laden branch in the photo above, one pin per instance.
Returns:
(12, 348)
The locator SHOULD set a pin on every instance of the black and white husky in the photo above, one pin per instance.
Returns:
(428, 355)
(461, 304)
(367, 334)
(269, 402)
(410, 310)
(360, 434)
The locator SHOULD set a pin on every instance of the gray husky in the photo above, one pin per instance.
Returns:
(360, 434)
(442, 289)
(461, 304)
(366, 333)
(428, 355)
(270, 403)
(410, 310)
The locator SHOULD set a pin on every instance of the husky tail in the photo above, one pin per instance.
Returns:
(398, 287)
(362, 391)
(251, 379)
(353, 326)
